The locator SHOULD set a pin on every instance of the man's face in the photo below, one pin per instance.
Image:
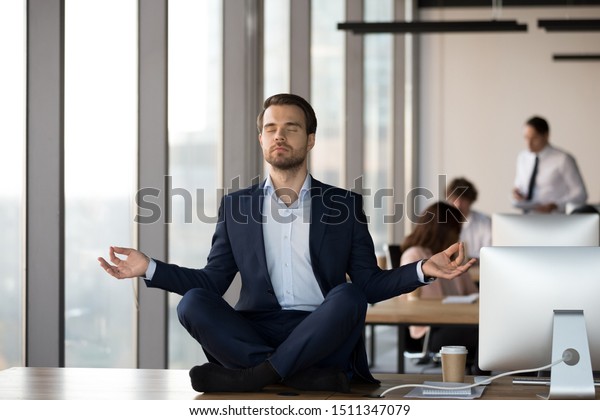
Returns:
(284, 141)
(462, 204)
(535, 141)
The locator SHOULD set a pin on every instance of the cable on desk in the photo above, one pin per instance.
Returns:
(484, 382)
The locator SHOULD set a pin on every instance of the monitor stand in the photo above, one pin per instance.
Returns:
(572, 379)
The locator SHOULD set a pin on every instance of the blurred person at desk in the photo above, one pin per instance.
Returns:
(476, 231)
(547, 178)
(438, 226)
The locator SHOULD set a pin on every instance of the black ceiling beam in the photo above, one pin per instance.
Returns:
(576, 57)
(566, 25)
(433, 26)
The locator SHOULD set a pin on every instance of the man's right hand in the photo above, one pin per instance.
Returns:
(517, 195)
(135, 265)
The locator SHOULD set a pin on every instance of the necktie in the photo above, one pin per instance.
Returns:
(532, 179)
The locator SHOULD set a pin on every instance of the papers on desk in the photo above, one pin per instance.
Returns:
(475, 392)
(525, 204)
(472, 298)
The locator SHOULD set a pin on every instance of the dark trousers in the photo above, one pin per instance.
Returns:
(290, 340)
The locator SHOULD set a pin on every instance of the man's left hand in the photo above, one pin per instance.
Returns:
(443, 265)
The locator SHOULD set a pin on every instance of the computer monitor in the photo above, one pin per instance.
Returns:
(537, 302)
(545, 229)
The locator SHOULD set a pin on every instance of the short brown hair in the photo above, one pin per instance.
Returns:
(462, 187)
(290, 99)
(539, 124)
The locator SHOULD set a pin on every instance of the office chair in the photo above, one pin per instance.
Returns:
(585, 209)
(393, 252)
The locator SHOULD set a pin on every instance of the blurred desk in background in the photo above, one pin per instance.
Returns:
(402, 313)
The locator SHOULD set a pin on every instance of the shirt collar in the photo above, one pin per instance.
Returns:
(304, 190)
(542, 152)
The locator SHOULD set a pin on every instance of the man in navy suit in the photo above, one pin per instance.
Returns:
(308, 271)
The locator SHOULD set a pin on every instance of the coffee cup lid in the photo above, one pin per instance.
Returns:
(454, 350)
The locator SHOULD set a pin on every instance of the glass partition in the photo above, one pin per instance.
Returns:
(12, 171)
(195, 143)
(378, 114)
(328, 85)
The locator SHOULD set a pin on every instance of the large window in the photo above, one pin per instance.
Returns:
(378, 114)
(276, 47)
(12, 172)
(327, 90)
(276, 52)
(100, 178)
(195, 140)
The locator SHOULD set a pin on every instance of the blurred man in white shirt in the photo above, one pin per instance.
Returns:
(555, 181)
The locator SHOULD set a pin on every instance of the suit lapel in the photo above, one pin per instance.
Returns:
(256, 227)
(318, 213)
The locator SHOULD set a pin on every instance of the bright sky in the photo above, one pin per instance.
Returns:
(100, 97)
(189, 45)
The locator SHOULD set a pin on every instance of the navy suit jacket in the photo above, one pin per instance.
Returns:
(340, 248)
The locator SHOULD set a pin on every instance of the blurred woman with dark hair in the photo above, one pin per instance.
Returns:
(437, 228)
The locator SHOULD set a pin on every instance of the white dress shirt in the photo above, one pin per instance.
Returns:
(286, 234)
(558, 179)
(476, 233)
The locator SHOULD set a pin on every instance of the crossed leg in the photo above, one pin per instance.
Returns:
(257, 349)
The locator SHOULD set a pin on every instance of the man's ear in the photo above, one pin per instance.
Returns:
(260, 139)
(311, 141)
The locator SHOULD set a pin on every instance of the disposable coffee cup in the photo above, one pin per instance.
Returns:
(454, 360)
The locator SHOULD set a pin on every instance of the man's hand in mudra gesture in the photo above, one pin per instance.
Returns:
(134, 265)
(443, 265)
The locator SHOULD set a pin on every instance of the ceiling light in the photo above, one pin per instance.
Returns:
(576, 57)
(433, 26)
(570, 24)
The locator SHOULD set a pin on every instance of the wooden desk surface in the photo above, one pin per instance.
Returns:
(158, 384)
(422, 311)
